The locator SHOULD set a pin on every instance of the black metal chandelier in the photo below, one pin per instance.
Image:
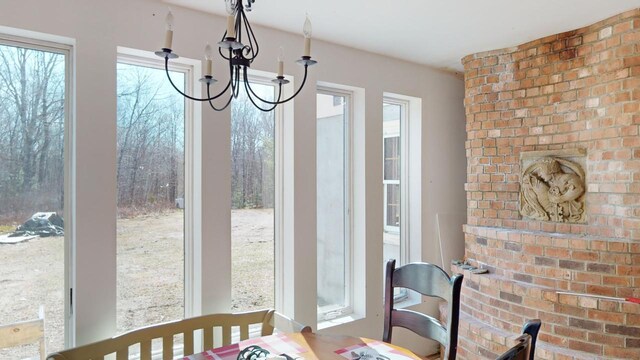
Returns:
(240, 55)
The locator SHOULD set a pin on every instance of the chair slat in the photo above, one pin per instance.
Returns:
(145, 350)
(244, 331)
(167, 347)
(123, 354)
(226, 335)
(208, 338)
(188, 343)
(423, 325)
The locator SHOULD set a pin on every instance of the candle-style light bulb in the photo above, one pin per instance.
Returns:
(168, 36)
(208, 55)
(208, 52)
(231, 7)
(231, 18)
(306, 29)
(281, 62)
(169, 20)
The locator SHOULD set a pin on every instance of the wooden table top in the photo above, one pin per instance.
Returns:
(323, 347)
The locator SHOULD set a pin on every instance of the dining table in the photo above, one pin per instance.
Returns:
(312, 346)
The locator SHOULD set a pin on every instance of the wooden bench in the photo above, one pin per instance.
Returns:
(208, 325)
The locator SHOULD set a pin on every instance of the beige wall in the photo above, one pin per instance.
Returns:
(97, 28)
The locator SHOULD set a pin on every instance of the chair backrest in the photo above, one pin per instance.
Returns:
(144, 336)
(520, 351)
(430, 280)
(24, 333)
(525, 347)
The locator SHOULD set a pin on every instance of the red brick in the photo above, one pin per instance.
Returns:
(579, 89)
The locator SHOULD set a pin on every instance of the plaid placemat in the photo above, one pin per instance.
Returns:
(380, 347)
(275, 344)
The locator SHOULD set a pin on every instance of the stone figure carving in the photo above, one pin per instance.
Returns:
(552, 189)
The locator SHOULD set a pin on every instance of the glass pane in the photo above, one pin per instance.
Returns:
(391, 181)
(393, 205)
(32, 141)
(392, 158)
(150, 176)
(252, 202)
(332, 202)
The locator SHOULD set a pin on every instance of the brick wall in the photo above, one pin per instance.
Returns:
(579, 89)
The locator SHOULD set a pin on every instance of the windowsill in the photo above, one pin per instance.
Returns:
(412, 299)
(408, 302)
(339, 321)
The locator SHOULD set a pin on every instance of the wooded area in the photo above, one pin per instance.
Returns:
(32, 96)
(252, 152)
(150, 149)
(150, 139)
(151, 144)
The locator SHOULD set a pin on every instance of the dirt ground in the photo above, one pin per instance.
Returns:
(150, 274)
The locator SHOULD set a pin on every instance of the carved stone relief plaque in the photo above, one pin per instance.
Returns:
(552, 186)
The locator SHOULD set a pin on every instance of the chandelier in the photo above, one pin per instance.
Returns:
(239, 47)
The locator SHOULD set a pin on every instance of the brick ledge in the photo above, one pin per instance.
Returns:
(480, 230)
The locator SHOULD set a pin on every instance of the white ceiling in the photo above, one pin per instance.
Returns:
(432, 32)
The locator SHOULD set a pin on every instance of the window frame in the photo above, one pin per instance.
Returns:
(403, 229)
(192, 293)
(35, 41)
(331, 312)
(385, 182)
(266, 78)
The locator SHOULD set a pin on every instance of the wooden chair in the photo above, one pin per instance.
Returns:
(207, 324)
(429, 280)
(24, 333)
(526, 344)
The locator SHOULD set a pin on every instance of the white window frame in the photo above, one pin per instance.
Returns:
(266, 78)
(63, 47)
(404, 178)
(332, 312)
(391, 228)
(192, 293)
(403, 230)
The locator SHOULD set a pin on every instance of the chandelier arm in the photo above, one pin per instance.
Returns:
(304, 80)
(211, 103)
(255, 49)
(237, 82)
(166, 68)
(256, 105)
(231, 78)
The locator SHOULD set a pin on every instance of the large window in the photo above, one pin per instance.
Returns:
(151, 196)
(335, 271)
(33, 126)
(253, 201)
(393, 182)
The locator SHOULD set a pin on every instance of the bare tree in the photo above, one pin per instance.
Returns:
(252, 155)
(32, 85)
(150, 163)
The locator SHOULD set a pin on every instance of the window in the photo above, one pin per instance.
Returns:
(393, 182)
(34, 128)
(253, 200)
(151, 195)
(334, 236)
